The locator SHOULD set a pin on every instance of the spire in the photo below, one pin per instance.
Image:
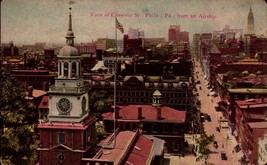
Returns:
(250, 27)
(70, 35)
(70, 23)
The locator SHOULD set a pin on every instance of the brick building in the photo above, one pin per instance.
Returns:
(132, 46)
(38, 79)
(231, 88)
(176, 35)
(162, 122)
(251, 125)
(68, 134)
(137, 149)
(105, 43)
(50, 59)
(176, 93)
(88, 47)
(10, 50)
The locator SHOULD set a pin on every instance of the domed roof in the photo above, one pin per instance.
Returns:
(68, 50)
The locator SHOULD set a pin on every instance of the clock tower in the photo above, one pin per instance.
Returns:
(66, 137)
(68, 97)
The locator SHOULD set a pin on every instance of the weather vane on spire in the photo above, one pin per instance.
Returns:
(71, 3)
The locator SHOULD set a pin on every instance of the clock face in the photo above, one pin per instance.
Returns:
(64, 105)
(83, 104)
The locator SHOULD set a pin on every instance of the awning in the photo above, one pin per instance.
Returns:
(211, 89)
(212, 93)
(99, 65)
(216, 99)
(216, 105)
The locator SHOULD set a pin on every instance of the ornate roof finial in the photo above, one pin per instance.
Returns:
(70, 35)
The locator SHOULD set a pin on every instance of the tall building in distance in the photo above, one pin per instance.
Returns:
(176, 35)
(135, 33)
(227, 33)
(250, 28)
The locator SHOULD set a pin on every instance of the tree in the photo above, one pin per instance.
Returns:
(100, 131)
(99, 102)
(202, 146)
(18, 117)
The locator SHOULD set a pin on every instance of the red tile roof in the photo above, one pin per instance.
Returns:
(252, 103)
(44, 103)
(216, 99)
(68, 125)
(141, 151)
(149, 112)
(230, 50)
(116, 153)
(137, 149)
(261, 125)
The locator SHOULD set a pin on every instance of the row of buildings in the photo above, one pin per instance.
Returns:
(234, 67)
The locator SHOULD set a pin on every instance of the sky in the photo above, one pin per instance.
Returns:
(30, 21)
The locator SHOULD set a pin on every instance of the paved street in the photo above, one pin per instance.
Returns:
(224, 143)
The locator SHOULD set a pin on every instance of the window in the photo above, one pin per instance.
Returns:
(154, 128)
(61, 137)
(145, 128)
(134, 127)
(73, 69)
(66, 68)
(121, 126)
(165, 128)
(128, 126)
(175, 145)
(175, 129)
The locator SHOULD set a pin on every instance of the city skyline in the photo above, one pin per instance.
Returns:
(27, 22)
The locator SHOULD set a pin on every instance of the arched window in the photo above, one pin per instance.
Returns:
(73, 69)
(66, 69)
(59, 69)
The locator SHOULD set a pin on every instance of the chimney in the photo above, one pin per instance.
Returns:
(117, 112)
(44, 86)
(30, 90)
(158, 113)
(139, 112)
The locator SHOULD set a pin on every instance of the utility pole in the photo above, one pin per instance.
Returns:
(0, 28)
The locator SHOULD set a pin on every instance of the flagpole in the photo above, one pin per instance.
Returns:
(115, 83)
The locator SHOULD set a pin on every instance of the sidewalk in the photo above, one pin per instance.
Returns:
(224, 138)
(226, 142)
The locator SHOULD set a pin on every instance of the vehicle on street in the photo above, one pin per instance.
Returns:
(223, 155)
(207, 117)
(215, 144)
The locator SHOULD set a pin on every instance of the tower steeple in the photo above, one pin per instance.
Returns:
(70, 35)
(250, 27)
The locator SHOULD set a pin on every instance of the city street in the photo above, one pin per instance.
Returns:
(224, 144)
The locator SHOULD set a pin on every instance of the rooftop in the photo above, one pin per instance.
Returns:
(44, 103)
(137, 149)
(149, 112)
(260, 125)
(252, 103)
